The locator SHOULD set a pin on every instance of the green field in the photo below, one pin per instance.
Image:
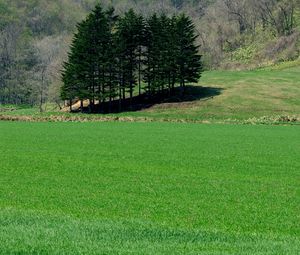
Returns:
(149, 188)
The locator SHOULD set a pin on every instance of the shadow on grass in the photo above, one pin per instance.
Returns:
(142, 102)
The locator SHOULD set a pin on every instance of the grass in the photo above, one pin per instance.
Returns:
(221, 96)
(244, 95)
(149, 188)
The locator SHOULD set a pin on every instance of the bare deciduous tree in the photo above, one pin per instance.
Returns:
(49, 52)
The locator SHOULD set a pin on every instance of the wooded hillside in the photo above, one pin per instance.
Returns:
(35, 36)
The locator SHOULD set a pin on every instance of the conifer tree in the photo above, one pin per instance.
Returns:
(91, 58)
(165, 56)
(109, 56)
(99, 43)
(173, 52)
(141, 44)
(128, 38)
(76, 69)
(111, 77)
(188, 59)
(152, 77)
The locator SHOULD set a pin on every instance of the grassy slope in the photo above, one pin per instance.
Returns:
(168, 189)
(243, 95)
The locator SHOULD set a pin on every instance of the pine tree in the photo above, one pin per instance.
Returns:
(188, 59)
(173, 52)
(111, 77)
(76, 69)
(141, 44)
(99, 55)
(165, 58)
(128, 31)
(91, 61)
(152, 77)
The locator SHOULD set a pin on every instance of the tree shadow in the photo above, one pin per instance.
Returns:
(144, 101)
(193, 93)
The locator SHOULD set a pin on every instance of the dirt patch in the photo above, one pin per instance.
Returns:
(266, 120)
(62, 118)
(7, 109)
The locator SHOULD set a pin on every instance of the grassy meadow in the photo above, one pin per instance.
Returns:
(238, 95)
(150, 188)
(220, 96)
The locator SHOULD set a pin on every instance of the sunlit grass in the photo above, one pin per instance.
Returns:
(149, 188)
(273, 91)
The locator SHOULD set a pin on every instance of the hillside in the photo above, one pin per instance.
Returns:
(236, 35)
(240, 95)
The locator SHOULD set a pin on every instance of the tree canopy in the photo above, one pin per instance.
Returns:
(113, 58)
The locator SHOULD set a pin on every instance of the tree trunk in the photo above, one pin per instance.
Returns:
(41, 101)
(120, 91)
(41, 93)
(131, 95)
(169, 84)
(109, 104)
(81, 105)
(140, 53)
(123, 93)
(91, 105)
(70, 105)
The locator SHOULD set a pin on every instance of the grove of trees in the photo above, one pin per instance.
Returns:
(114, 58)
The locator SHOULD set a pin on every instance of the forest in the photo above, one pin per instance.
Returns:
(35, 37)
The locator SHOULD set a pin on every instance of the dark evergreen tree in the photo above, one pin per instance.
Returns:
(128, 32)
(153, 55)
(110, 90)
(100, 53)
(165, 57)
(110, 56)
(173, 52)
(77, 67)
(188, 58)
(91, 59)
(141, 44)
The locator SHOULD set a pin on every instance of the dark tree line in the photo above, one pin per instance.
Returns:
(112, 59)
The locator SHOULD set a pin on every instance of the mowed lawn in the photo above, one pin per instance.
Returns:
(149, 188)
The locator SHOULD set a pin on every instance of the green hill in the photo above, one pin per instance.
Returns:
(260, 96)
